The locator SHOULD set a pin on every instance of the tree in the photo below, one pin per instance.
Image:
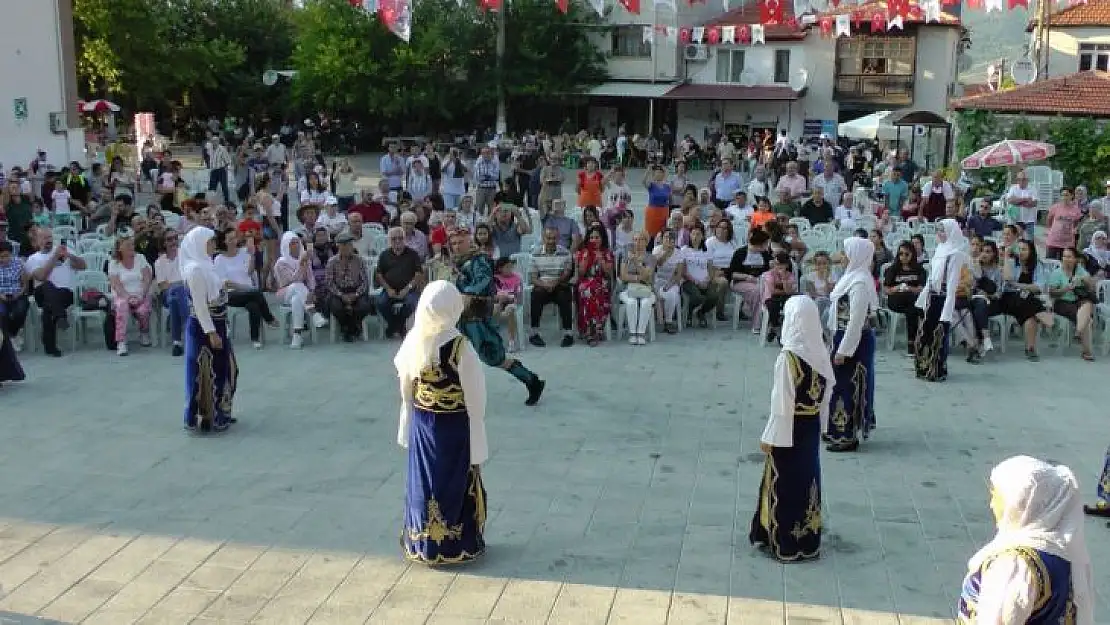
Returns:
(1082, 151)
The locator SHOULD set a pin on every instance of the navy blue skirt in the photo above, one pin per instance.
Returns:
(852, 409)
(210, 375)
(445, 501)
(787, 518)
(10, 369)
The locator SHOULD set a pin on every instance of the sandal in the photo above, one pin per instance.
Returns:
(1088, 356)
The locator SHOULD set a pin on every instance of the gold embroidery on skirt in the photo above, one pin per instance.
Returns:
(475, 491)
(812, 521)
(206, 385)
(436, 529)
(765, 495)
(227, 398)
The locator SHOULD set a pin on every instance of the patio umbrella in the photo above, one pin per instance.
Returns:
(97, 106)
(1009, 152)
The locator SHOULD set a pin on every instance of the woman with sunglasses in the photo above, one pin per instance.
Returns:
(902, 281)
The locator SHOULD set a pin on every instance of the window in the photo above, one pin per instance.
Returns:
(782, 65)
(629, 41)
(730, 64)
(1094, 56)
(880, 56)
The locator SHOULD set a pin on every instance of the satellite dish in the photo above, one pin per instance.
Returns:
(800, 79)
(1023, 71)
(747, 78)
(269, 78)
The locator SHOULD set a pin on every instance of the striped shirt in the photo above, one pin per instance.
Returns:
(11, 275)
(487, 172)
(551, 265)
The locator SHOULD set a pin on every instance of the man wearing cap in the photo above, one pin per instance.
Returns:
(349, 288)
(476, 282)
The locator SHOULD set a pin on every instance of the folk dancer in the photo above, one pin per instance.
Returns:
(211, 371)
(1101, 507)
(443, 405)
(1036, 569)
(851, 304)
(787, 521)
(949, 273)
(475, 281)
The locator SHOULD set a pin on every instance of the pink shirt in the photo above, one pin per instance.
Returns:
(1064, 219)
(795, 184)
(510, 285)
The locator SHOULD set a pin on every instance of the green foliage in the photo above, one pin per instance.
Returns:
(1082, 151)
(975, 129)
(1024, 129)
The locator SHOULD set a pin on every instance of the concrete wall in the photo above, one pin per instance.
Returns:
(1063, 45)
(935, 69)
(37, 63)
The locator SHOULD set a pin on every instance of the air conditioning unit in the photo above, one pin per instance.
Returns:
(695, 52)
(58, 123)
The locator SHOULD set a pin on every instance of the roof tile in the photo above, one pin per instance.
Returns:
(1091, 13)
(1082, 94)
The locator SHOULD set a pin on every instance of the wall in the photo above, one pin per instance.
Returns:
(935, 68)
(1063, 44)
(32, 50)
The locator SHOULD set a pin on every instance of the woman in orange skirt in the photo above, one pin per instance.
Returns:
(589, 185)
(659, 200)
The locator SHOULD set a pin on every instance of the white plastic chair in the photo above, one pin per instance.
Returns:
(96, 261)
(65, 233)
(88, 280)
(802, 223)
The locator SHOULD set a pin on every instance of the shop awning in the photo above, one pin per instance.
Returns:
(616, 89)
(732, 92)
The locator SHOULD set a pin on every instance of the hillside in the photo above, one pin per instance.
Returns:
(994, 36)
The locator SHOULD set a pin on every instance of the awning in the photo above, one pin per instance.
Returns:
(631, 89)
(731, 92)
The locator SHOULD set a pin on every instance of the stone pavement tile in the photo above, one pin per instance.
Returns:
(455, 620)
(854, 616)
(187, 601)
(57, 578)
(808, 614)
(368, 583)
(114, 617)
(81, 600)
(232, 607)
(212, 577)
(582, 604)
(744, 611)
(526, 599)
(647, 573)
(281, 611)
(910, 619)
(470, 596)
(807, 583)
(41, 554)
(128, 562)
(191, 551)
(331, 614)
(698, 609)
(235, 556)
(640, 607)
(146, 590)
(419, 589)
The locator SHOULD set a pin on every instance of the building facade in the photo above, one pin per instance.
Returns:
(38, 71)
(1078, 38)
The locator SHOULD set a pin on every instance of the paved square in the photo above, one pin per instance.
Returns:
(624, 497)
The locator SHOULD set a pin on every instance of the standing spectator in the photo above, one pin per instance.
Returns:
(418, 182)
(937, 193)
(399, 273)
(793, 183)
(392, 168)
(1063, 217)
(487, 180)
(1022, 203)
(344, 177)
(895, 190)
(725, 184)
(453, 184)
(589, 185)
(659, 200)
(551, 186)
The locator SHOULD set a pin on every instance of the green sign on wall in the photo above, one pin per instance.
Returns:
(19, 105)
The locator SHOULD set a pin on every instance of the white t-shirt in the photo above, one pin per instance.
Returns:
(235, 269)
(757, 188)
(720, 254)
(697, 263)
(1027, 214)
(62, 276)
(131, 279)
(166, 270)
(739, 213)
(61, 201)
(166, 181)
(334, 225)
(846, 216)
(318, 198)
(615, 193)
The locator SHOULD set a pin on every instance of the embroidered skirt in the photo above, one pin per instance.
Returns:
(210, 375)
(10, 369)
(931, 361)
(1104, 481)
(445, 501)
(787, 518)
(852, 409)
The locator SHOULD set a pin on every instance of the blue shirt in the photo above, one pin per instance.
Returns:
(659, 194)
(983, 226)
(895, 194)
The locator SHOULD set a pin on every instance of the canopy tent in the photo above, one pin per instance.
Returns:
(875, 126)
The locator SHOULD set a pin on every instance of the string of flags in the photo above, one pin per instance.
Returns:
(396, 15)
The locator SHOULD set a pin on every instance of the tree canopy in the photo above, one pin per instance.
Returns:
(206, 57)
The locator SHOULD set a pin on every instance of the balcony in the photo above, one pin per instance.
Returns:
(886, 89)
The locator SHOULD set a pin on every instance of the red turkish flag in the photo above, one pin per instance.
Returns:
(397, 17)
(770, 12)
(792, 22)
(915, 12)
(898, 8)
(836, 4)
(563, 6)
(1013, 4)
(825, 25)
(971, 4)
(632, 6)
(684, 35)
(489, 5)
(857, 19)
(878, 22)
(713, 35)
(744, 34)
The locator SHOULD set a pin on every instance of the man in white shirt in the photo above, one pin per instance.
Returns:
(740, 209)
(276, 153)
(758, 187)
(54, 272)
(725, 184)
(831, 182)
(1021, 203)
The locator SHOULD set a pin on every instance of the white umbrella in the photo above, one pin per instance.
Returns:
(874, 126)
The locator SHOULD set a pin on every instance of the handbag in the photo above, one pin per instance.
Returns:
(638, 290)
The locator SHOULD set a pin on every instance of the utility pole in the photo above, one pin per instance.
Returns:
(1045, 16)
(502, 125)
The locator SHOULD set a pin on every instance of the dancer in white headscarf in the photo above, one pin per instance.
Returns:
(442, 424)
(1036, 569)
(949, 276)
(851, 304)
(211, 371)
(787, 521)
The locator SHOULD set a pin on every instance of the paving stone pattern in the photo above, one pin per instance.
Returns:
(623, 498)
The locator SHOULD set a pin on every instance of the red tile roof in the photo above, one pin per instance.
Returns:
(730, 92)
(869, 8)
(749, 14)
(1091, 13)
(1082, 94)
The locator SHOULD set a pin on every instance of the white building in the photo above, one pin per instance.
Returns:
(38, 72)
(1078, 38)
(798, 80)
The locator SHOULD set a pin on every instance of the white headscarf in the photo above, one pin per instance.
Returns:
(860, 253)
(1041, 510)
(434, 323)
(802, 336)
(1102, 257)
(955, 244)
(286, 255)
(193, 259)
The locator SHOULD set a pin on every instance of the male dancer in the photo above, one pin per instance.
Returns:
(475, 281)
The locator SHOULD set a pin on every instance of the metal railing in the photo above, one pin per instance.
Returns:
(874, 87)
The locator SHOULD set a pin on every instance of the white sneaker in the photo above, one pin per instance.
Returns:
(987, 345)
(297, 341)
(144, 339)
(257, 345)
(319, 320)
(121, 348)
(17, 343)
(640, 340)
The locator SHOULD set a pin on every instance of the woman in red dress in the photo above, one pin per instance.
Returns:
(595, 269)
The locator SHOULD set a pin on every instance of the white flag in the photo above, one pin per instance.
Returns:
(698, 34)
(599, 6)
(844, 25)
(932, 10)
(895, 22)
(649, 34)
(757, 34)
(728, 34)
(994, 5)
